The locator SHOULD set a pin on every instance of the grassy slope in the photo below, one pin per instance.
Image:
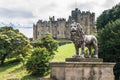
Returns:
(15, 69)
(65, 51)
(63, 40)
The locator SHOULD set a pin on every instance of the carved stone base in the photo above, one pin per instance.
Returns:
(83, 60)
(86, 70)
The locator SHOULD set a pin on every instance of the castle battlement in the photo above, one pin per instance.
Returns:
(61, 19)
(60, 28)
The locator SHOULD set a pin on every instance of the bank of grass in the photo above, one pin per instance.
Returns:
(63, 40)
(15, 69)
(65, 51)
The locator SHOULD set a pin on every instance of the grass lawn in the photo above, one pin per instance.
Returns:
(63, 40)
(65, 51)
(12, 69)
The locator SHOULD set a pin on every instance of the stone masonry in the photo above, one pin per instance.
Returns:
(82, 69)
(60, 28)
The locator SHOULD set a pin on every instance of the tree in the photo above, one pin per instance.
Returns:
(46, 42)
(109, 41)
(38, 63)
(12, 44)
(42, 53)
(49, 43)
(108, 16)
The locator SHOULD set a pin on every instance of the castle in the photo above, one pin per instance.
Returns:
(60, 28)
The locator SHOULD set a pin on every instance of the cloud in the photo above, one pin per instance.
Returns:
(84, 6)
(15, 13)
(109, 3)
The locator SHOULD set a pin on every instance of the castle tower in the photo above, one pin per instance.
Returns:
(86, 19)
(61, 28)
(34, 32)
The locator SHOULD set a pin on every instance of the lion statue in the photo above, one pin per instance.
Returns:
(81, 40)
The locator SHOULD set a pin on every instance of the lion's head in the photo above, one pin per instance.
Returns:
(76, 29)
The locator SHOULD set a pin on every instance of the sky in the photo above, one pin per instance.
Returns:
(28, 12)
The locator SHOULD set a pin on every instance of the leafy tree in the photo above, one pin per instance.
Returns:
(43, 51)
(109, 41)
(12, 44)
(49, 43)
(38, 63)
(46, 42)
(36, 43)
(108, 16)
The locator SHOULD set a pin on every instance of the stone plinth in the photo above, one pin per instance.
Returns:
(82, 71)
(83, 60)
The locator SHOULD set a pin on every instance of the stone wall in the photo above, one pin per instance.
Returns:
(82, 71)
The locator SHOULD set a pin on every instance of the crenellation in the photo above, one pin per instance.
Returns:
(60, 28)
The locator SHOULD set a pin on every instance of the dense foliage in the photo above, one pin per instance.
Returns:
(38, 63)
(13, 44)
(46, 42)
(109, 41)
(43, 51)
(108, 16)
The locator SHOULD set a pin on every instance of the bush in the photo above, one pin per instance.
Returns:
(13, 44)
(49, 43)
(38, 63)
(46, 42)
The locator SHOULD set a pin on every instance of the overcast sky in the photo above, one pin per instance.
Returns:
(27, 12)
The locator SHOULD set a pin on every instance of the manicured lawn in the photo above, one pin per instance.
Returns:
(65, 51)
(63, 40)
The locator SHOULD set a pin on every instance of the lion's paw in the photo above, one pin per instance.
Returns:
(75, 56)
(95, 56)
(82, 56)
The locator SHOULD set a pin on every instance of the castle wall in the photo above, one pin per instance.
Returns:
(60, 28)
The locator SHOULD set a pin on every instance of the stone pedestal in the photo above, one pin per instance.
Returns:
(83, 60)
(82, 69)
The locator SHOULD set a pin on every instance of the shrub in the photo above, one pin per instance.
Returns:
(13, 44)
(38, 63)
(46, 42)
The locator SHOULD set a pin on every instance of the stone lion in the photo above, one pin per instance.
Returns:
(81, 40)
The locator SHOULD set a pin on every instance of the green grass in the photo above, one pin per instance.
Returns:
(65, 51)
(63, 40)
(13, 69)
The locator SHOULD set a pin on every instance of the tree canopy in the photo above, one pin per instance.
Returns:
(46, 42)
(108, 16)
(43, 52)
(12, 44)
(109, 41)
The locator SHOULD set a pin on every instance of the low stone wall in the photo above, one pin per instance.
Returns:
(82, 71)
